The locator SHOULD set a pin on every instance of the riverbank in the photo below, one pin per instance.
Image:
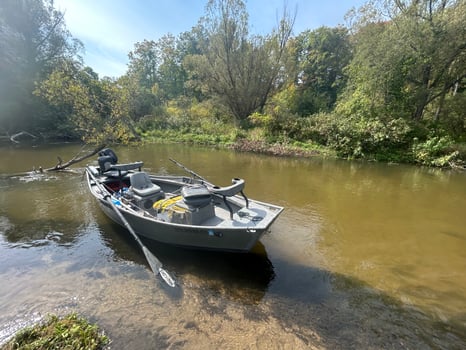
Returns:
(68, 332)
(431, 154)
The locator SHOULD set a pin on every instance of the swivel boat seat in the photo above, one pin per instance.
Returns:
(144, 191)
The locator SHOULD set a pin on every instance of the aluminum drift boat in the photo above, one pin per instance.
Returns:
(180, 210)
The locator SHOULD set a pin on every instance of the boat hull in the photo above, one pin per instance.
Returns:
(209, 238)
(236, 230)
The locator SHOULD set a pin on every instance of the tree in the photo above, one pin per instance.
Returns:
(96, 111)
(33, 39)
(141, 80)
(143, 64)
(171, 74)
(407, 63)
(370, 73)
(322, 56)
(435, 41)
(241, 71)
(156, 74)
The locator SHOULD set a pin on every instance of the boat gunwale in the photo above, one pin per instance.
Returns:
(274, 210)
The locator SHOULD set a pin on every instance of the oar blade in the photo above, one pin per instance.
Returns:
(167, 278)
(156, 267)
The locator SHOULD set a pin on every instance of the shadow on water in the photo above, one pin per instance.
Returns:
(33, 212)
(243, 276)
(318, 306)
(349, 313)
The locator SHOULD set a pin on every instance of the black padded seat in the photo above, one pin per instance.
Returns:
(196, 196)
(143, 186)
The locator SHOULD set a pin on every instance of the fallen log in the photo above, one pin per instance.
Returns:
(14, 137)
(60, 166)
(76, 159)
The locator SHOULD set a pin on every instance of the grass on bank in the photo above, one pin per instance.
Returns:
(70, 332)
(239, 140)
(393, 146)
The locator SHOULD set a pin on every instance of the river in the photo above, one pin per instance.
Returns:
(365, 256)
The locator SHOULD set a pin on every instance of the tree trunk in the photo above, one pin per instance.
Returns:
(422, 97)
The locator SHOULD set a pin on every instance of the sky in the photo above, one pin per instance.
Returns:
(110, 28)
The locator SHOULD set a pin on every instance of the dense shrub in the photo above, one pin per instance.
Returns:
(436, 150)
(187, 120)
(351, 137)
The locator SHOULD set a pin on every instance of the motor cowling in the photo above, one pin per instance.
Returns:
(106, 159)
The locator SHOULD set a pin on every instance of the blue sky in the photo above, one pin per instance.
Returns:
(110, 28)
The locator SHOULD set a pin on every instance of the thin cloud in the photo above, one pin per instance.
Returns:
(93, 22)
(106, 65)
(110, 28)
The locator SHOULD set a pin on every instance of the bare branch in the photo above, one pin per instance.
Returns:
(76, 159)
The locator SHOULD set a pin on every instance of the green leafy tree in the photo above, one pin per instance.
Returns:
(156, 73)
(435, 42)
(171, 74)
(191, 45)
(322, 56)
(97, 111)
(141, 80)
(369, 74)
(144, 61)
(33, 39)
(409, 57)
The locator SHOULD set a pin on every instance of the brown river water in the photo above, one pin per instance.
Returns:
(365, 256)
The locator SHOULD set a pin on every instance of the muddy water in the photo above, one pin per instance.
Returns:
(365, 256)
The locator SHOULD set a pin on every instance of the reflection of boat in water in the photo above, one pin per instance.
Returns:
(180, 210)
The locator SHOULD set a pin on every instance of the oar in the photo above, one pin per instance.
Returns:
(191, 172)
(154, 263)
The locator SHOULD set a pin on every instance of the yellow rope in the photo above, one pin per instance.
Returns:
(169, 203)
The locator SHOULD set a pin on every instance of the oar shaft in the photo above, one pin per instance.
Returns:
(108, 198)
(125, 222)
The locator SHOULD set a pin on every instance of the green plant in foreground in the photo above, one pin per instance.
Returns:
(70, 332)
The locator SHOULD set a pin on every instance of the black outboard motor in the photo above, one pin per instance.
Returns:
(106, 159)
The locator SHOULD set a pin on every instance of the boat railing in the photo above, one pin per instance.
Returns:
(230, 191)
